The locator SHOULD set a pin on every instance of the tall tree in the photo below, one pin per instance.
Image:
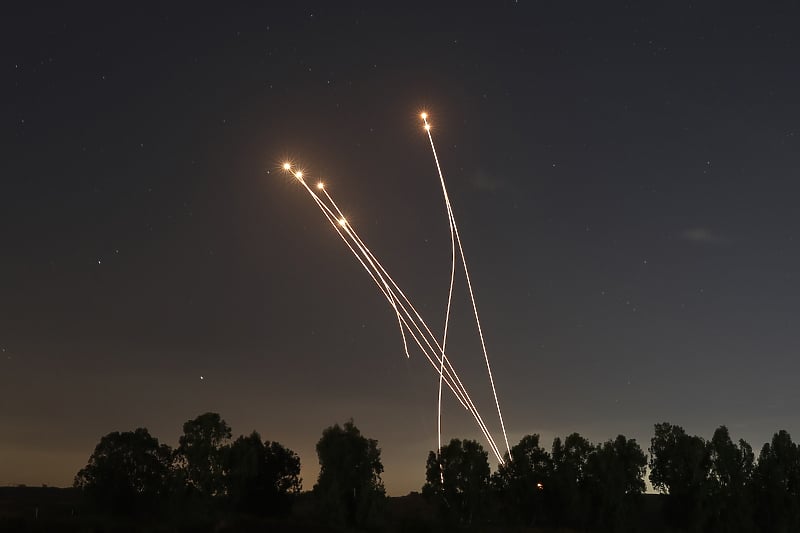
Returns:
(730, 505)
(457, 480)
(349, 487)
(521, 482)
(566, 493)
(128, 473)
(261, 477)
(680, 466)
(200, 453)
(776, 480)
(615, 481)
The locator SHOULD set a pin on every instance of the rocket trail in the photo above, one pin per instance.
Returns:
(451, 224)
(349, 228)
(339, 223)
(409, 320)
(379, 275)
(450, 370)
(452, 380)
(454, 230)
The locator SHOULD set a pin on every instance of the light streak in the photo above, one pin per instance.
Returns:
(471, 408)
(454, 229)
(410, 322)
(452, 380)
(337, 223)
(450, 220)
(458, 390)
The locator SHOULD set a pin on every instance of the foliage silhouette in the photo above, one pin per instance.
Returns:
(715, 485)
(349, 489)
(520, 483)
(776, 481)
(730, 505)
(200, 453)
(261, 478)
(614, 477)
(567, 492)
(680, 466)
(127, 474)
(457, 481)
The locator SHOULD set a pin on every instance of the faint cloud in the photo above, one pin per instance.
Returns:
(703, 236)
(484, 182)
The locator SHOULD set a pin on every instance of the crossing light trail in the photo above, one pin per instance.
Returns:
(417, 326)
(424, 117)
(454, 233)
(409, 319)
(373, 261)
(345, 229)
(413, 328)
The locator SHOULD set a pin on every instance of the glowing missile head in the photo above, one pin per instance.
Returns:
(342, 222)
(423, 115)
(298, 174)
(320, 185)
(287, 166)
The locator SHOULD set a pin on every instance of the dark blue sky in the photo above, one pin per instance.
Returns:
(625, 180)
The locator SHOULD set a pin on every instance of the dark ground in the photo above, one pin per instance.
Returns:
(50, 509)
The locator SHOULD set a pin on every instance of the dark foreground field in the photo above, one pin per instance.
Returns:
(50, 509)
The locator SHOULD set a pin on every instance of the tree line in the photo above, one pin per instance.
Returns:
(707, 485)
(133, 476)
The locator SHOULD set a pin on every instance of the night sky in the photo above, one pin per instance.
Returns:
(625, 180)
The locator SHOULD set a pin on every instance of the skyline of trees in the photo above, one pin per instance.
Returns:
(576, 485)
(709, 485)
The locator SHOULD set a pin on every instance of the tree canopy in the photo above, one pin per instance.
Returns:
(128, 473)
(200, 453)
(614, 478)
(520, 482)
(457, 480)
(349, 487)
(261, 477)
(679, 466)
(776, 480)
(566, 491)
(730, 505)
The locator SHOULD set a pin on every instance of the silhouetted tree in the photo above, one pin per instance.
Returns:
(520, 483)
(730, 502)
(349, 488)
(776, 480)
(614, 477)
(680, 465)
(457, 480)
(566, 493)
(261, 477)
(200, 453)
(128, 473)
